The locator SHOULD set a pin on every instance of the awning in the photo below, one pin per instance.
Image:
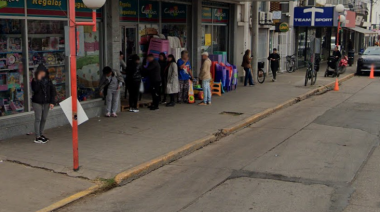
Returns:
(366, 32)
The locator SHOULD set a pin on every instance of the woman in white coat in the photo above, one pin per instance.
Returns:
(172, 87)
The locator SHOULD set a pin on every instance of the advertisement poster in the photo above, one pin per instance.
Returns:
(149, 11)
(208, 40)
(173, 13)
(128, 10)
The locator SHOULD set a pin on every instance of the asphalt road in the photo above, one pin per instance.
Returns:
(318, 155)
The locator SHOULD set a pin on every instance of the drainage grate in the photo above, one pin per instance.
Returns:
(231, 113)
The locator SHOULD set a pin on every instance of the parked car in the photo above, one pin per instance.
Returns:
(371, 56)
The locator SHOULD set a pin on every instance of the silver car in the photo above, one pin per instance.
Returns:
(371, 56)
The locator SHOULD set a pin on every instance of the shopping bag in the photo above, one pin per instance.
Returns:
(141, 87)
(191, 93)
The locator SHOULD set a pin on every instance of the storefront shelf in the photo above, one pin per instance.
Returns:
(57, 65)
(10, 52)
(45, 51)
(8, 69)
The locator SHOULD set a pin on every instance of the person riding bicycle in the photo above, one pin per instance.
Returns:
(337, 55)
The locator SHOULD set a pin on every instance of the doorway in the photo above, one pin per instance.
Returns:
(128, 41)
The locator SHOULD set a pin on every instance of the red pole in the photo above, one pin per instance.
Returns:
(337, 36)
(73, 76)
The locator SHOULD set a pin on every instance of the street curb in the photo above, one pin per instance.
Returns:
(143, 169)
(267, 112)
(147, 167)
(71, 199)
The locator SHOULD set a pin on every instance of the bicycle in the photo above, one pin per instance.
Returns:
(290, 63)
(261, 73)
(310, 74)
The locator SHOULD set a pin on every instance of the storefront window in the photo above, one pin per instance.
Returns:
(176, 30)
(88, 65)
(12, 85)
(220, 36)
(207, 38)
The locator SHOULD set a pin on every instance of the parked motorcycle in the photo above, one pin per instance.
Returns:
(343, 64)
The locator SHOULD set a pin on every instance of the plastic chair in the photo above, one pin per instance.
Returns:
(216, 88)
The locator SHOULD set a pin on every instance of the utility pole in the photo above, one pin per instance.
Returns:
(370, 16)
(255, 37)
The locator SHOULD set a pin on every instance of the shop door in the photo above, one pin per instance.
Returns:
(129, 41)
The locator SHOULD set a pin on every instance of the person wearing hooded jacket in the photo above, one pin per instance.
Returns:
(43, 99)
(110, 85)
(133, 81)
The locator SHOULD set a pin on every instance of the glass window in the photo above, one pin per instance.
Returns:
(207, 38)
(12, 85)
(146, 32)
(176, 30)
(219, 38)
(46, 45)
(88, 65)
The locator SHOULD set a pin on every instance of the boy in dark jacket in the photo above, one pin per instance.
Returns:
(133, 82)
(274, 59)
(153, 72)
(43, 98)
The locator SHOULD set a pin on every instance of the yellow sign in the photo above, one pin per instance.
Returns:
(208, 41)
(284, 27)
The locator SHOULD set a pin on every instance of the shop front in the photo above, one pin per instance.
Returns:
(314, 24)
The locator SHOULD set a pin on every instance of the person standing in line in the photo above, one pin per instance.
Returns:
(43, 99)
(274, 59)
(172, 87)
(153, 72)
(133, 82)
(337, 55)
(205, 76)
(110, 85)
(246, 64)
(162, 60)
(184, 75)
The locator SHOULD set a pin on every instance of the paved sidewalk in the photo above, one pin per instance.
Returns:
(26, 189)
(108, 146)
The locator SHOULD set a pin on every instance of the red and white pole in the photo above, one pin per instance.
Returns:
(73, 76)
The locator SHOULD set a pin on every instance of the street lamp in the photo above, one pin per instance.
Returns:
(341, 19)
(92, 4)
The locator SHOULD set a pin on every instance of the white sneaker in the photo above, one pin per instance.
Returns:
(131, 110)
(136, 110)
(108, 115)
(40, 140)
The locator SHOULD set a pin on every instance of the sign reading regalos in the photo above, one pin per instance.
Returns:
(149, 11)
(173, 13)
(128, 10)
(314, 16)
(284, 27)
(47, 8)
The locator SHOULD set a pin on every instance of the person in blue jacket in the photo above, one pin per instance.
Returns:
(184, 75)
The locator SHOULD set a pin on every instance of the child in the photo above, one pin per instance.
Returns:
(110, 85)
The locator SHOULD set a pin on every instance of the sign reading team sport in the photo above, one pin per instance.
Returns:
(314, 16)
(128, 10)
(148, 11)
(173, 13)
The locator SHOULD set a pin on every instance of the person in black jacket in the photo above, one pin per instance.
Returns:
(133, 81)
(43, 98)
(153, 72)
(337, 55)
(274, 59)
(162, 60)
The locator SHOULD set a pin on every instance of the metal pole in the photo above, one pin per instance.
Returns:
(337, 34)
(73, 76)
(255, 37)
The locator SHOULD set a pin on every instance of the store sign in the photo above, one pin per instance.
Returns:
(206, 15)
(128, 10)
(358, 20)
(12, 7)
(173, 13)
(276, 15)
(47, 8)
(82, 11)
(220, 15)
(350, 19)
(149, 11)
(314, 16)
(284, 27)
